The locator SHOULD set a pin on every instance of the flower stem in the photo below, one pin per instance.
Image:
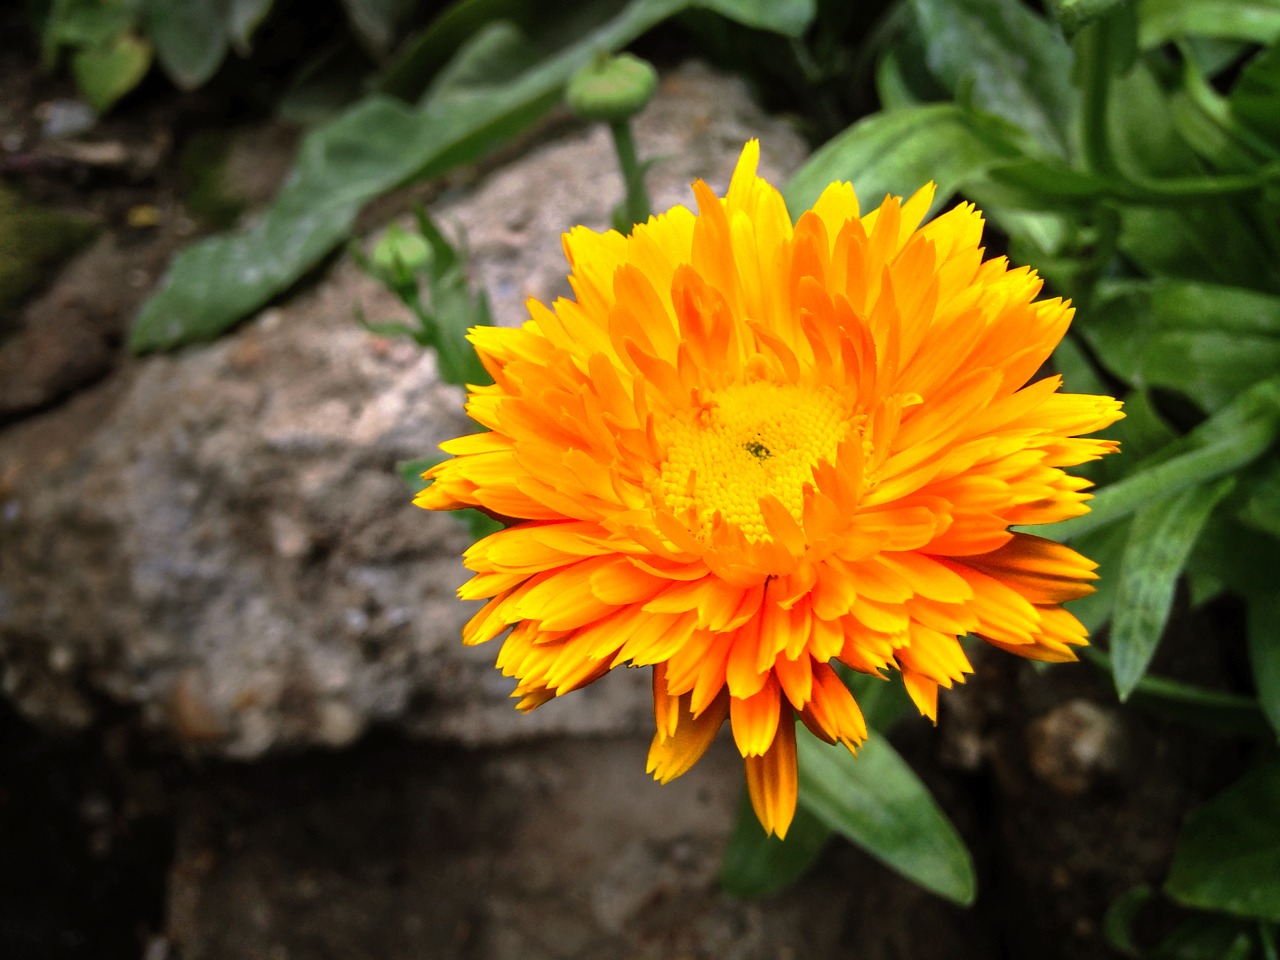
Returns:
(1095, 75)
(636, 206)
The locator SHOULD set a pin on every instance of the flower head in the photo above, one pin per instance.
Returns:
(747, 450)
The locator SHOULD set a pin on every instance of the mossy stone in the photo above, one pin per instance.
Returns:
(34, 240)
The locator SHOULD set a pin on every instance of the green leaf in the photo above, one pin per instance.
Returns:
(876, 801)
(1261, 509)
(1160, 541)
(1075, 15)
(788, 17)
(375, 146)
(896, 153)
(1205, 938)
(756, 864)
(495, 54)
(1234, 436)
(1208, 341)
(106, 72)
(1104, 547)
(243, 17)
(411, 471)
(375, 21)
(882, 700)
(190, 38)
(1117, 923)
(1264, 650)
(1254, 97)
(85, 23)
(1000, 58)
(1255, 21)
(1227, 856)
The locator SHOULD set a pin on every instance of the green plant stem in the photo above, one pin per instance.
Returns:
(1094, 65)
(636, 206)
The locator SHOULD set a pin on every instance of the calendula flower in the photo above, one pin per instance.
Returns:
(747, 450)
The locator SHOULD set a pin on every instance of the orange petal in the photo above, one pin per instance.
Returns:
(772, 780)
(672, 755)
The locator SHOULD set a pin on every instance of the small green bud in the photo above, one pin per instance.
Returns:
(611, 88)
(399, 255)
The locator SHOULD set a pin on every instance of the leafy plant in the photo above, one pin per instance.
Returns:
(1131, 152)
(112, 44)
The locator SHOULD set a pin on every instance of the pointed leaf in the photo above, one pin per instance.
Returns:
(1160, 541)
(877, 801)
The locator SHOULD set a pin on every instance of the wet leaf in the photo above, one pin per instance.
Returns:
(1227, 856)
(876, 801)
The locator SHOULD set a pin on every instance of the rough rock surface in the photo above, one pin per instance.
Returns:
(219, 537)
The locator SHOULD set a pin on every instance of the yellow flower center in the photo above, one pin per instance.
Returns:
(744, 442)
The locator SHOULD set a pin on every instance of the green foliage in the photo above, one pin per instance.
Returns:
(377, 145)
(1227, 856)
(405, 263)
(873, 800)
(112, 43)
(1137, 164)
(878, 803)
(755, 865)
(1129, 149)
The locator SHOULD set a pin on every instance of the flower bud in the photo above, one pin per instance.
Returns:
(399, 255)
(612, 88)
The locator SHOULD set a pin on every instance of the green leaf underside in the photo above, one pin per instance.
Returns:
(876, 801)
(1160, 541)
(1228, 857)
(756, 864)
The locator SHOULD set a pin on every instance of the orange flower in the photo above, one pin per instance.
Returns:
(748, 449)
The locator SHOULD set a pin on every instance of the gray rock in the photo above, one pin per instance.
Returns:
(219, 537)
